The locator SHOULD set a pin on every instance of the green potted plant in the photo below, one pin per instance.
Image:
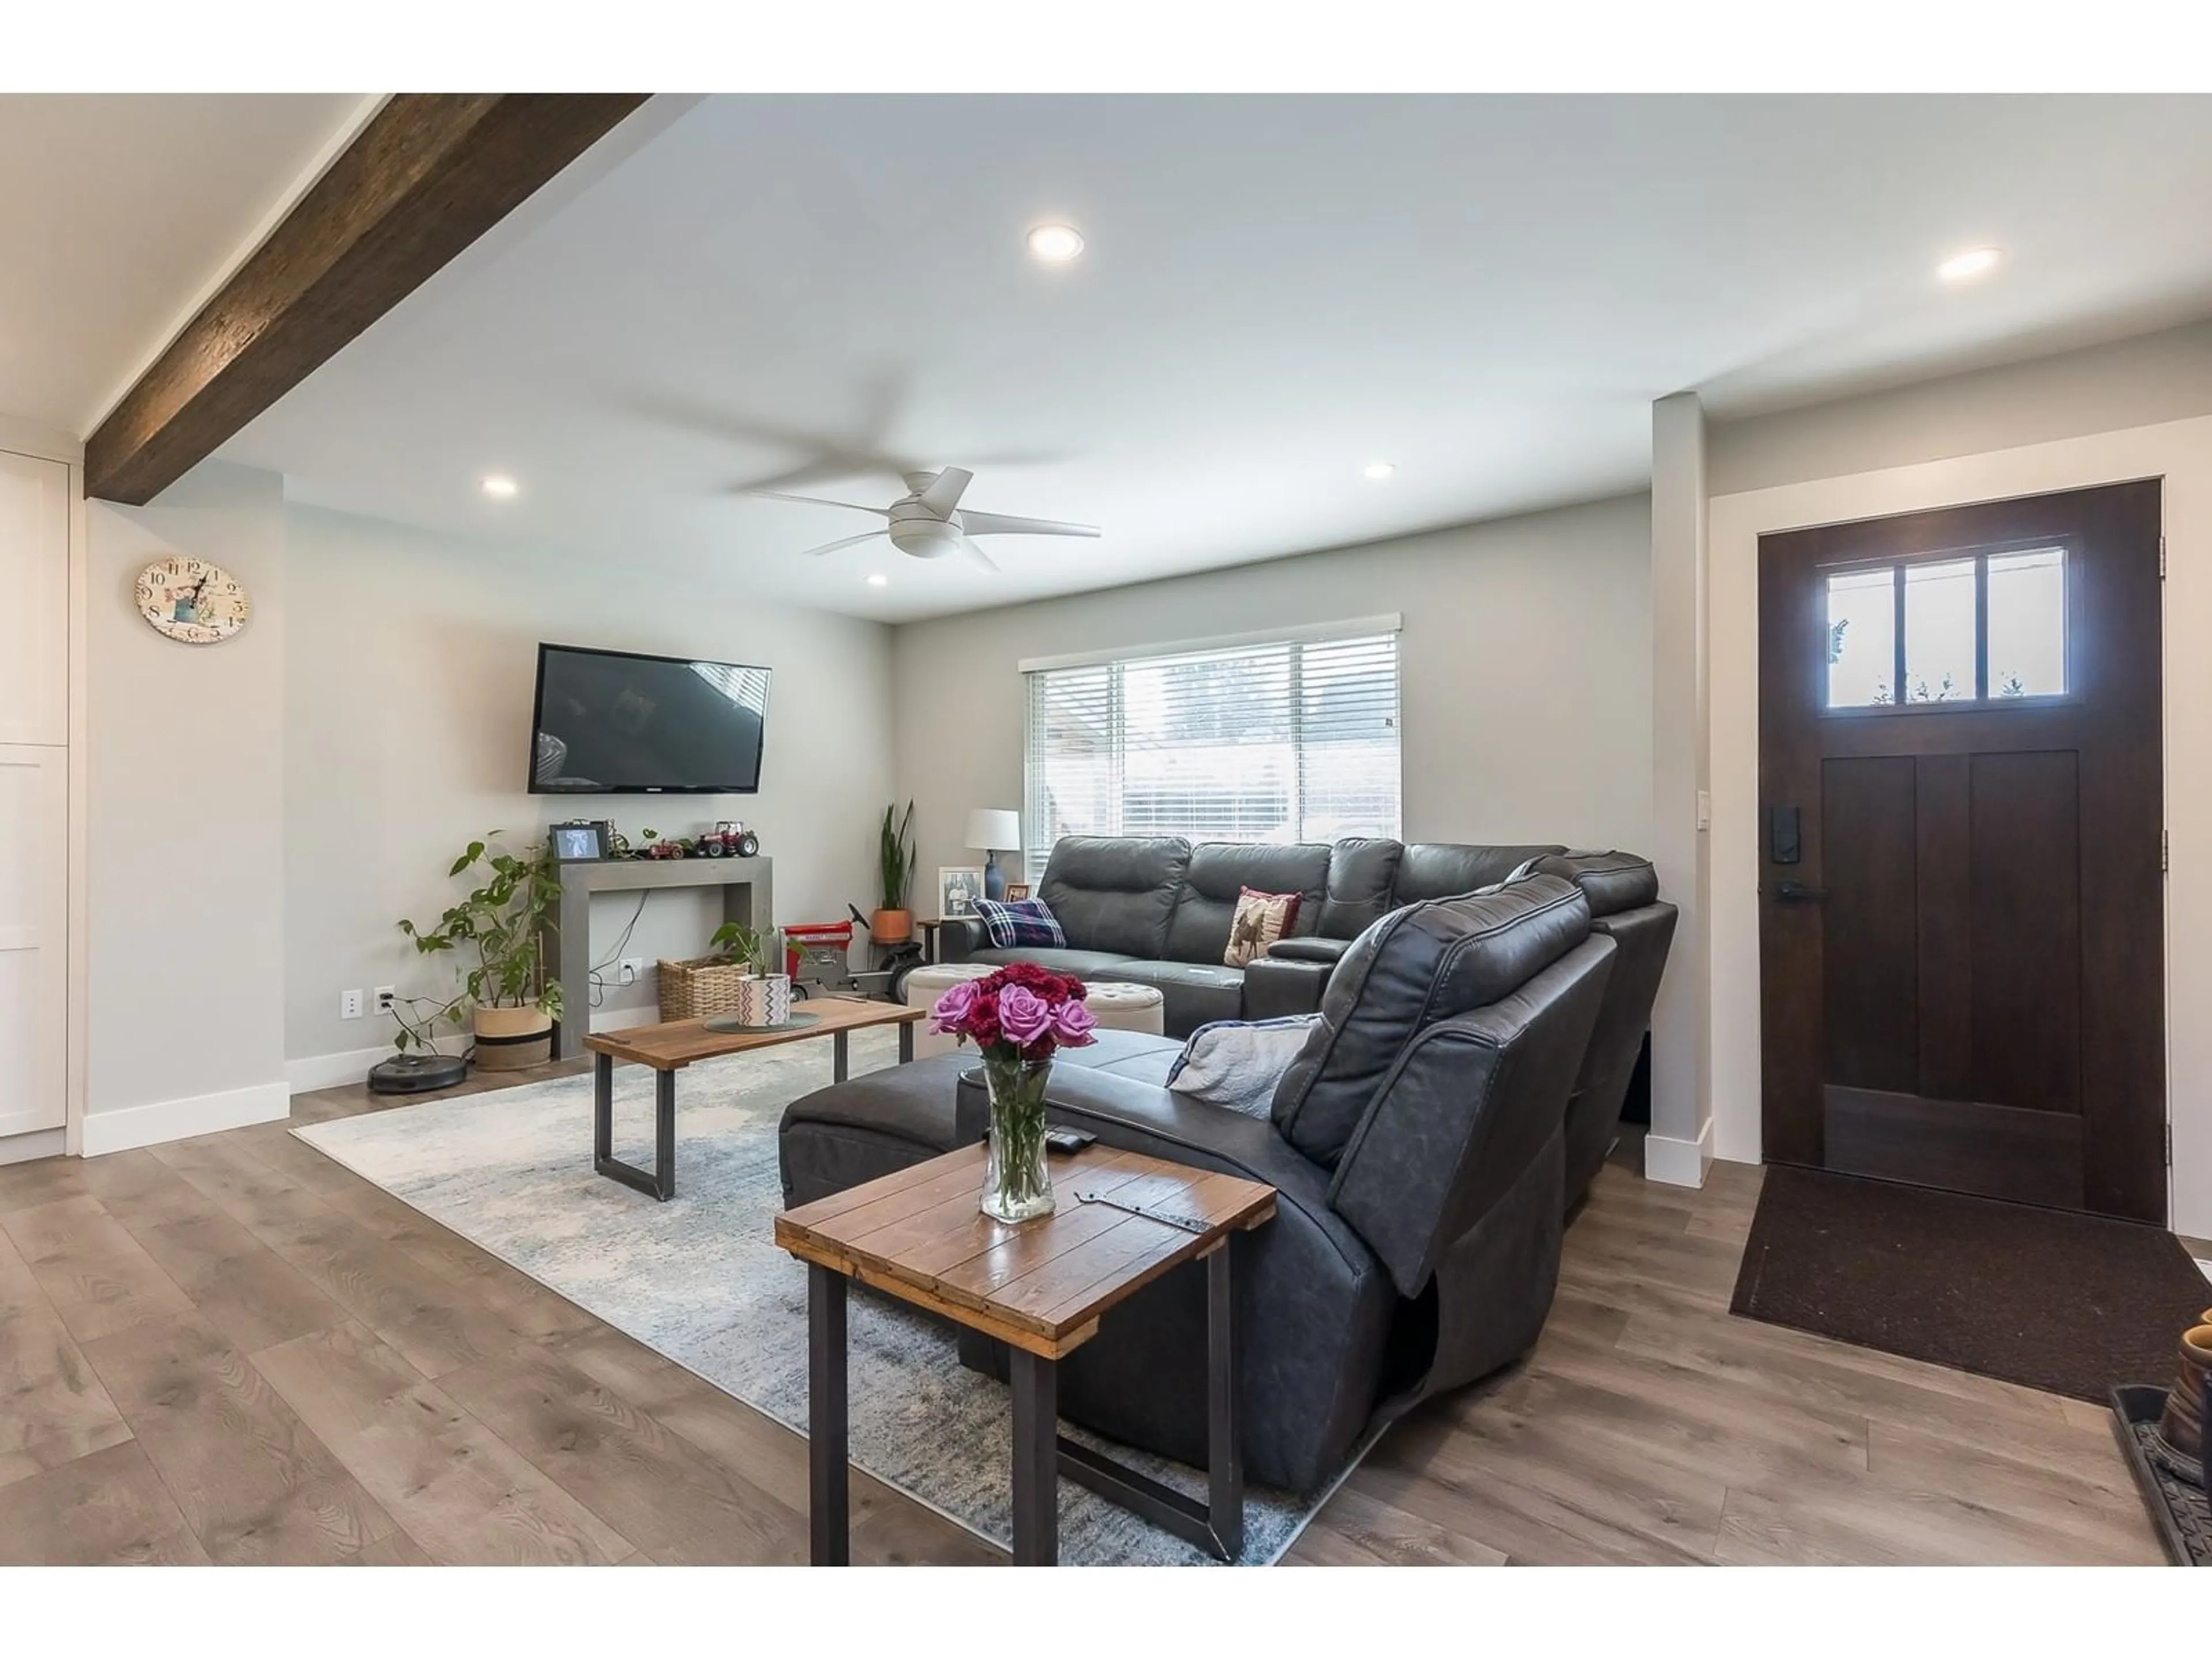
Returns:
(764, 993)
(500, 926)
(893, 923)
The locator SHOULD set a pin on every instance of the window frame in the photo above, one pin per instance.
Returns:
(1981, 553)
(1036, 671)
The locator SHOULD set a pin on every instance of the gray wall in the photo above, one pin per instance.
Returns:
(186, 811)
(1525, 664)
(2166, 376)
(408, 686)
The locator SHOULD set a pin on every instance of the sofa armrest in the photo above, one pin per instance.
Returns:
(958, 938)
(1313, 947)
(1277, 987)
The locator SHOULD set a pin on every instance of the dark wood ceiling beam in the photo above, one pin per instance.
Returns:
(424, 178)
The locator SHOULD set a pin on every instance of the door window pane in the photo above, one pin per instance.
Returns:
(1861, 638)
(1939, 632)
(2028, 624)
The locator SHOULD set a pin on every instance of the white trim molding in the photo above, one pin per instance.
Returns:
(1357, 628)
(1676, 1161)
(347, 1066)
(40, 1143)
(176, 1120)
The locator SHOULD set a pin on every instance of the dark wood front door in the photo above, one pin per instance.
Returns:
(1961, 922)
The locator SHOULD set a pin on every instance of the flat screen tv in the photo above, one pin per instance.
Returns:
(617, 723)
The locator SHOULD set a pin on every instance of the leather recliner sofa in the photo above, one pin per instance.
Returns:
(1419, 1147)
(1156, 911)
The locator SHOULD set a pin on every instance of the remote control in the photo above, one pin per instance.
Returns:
(1066, 1141)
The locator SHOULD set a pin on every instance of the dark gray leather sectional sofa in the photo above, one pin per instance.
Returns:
(1156, 911)
(1420, 1145)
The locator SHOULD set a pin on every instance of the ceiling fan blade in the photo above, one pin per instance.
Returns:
(834, 546)
(1003, 524)
(944, 491)
(815, 501)
(979, 556)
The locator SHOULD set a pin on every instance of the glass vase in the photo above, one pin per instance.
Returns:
(1017, 1186)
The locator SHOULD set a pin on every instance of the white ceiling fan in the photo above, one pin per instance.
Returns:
(927, 522)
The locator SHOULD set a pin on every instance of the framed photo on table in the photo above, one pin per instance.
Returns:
(1018, 890)
(958, 887)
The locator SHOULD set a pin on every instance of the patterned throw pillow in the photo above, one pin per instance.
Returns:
(1261, 920)
(1013, 923)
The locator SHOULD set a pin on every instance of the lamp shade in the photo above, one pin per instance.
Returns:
(994, 829)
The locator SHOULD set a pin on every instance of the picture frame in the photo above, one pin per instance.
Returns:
(581, 840)
(958, 887)
(1018, 890)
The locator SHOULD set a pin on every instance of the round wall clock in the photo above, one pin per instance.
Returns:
(193, 601)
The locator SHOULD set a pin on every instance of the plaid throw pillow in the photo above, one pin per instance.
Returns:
(1013, 923)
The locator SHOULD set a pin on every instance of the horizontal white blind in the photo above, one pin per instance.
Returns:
(1286, 740)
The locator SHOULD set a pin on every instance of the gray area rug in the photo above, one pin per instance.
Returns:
(700, 1279)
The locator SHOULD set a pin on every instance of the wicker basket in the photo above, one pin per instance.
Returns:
(696, 989)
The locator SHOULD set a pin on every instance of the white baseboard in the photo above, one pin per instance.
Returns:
(351, 1065)
(1677, 1162)
(37, 1143)
(175, 1119)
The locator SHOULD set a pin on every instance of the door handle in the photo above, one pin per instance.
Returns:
(1796, 892)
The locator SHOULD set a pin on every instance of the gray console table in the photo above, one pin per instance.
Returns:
(747, 897)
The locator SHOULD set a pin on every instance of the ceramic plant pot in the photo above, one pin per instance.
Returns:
(892, 926)
(764, 1000)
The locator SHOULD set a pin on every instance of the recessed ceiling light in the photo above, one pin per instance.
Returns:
(1055, 245)
(1962, 267)
(499, 484)
(1376, 471)
(878, 580)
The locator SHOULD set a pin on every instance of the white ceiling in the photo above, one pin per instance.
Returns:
(115, 215)
(1486, 291)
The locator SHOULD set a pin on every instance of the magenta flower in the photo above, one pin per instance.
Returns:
(1072, 1023)
(953, 1007)
(1023, 1016)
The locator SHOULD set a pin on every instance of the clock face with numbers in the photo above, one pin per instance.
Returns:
(193, 601)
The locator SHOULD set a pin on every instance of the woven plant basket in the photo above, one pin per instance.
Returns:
(696, 989)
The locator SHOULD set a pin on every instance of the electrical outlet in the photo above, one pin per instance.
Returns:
(631, 970)
(385, 996)
(349, 1005)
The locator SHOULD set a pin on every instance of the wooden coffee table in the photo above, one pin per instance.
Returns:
(1040, 1287)
(669, 1049)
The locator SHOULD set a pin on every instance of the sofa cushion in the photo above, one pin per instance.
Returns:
(1219, 871)
(1418, 965)
(1084, 965)
(1612, 882)
(1192, 993)
(1014, 923)
(1261, 920)
(1360, 873)
(1238, 1063)
(1115, 893)
(1438, 869)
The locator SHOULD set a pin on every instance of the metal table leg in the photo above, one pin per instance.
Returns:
(906, 1041)
(829, 1482)
(1036, 1474)
(1216, 1525)
(660, 1182)
(837, 1056)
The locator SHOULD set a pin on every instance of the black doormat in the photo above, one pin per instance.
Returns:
(2075, 1304)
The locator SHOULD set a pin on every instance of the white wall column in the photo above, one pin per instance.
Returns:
(1680, 1143)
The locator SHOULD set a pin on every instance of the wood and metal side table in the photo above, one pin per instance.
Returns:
(1040, 1287)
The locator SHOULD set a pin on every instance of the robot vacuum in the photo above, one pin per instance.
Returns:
(414, 1074)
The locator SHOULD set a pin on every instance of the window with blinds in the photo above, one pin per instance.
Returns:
(1286, 740)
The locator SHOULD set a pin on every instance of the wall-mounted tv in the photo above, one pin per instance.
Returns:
(617, 723)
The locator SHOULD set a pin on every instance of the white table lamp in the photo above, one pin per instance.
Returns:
(993, 830)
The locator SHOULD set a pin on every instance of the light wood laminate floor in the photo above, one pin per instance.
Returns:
(231, 1349)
